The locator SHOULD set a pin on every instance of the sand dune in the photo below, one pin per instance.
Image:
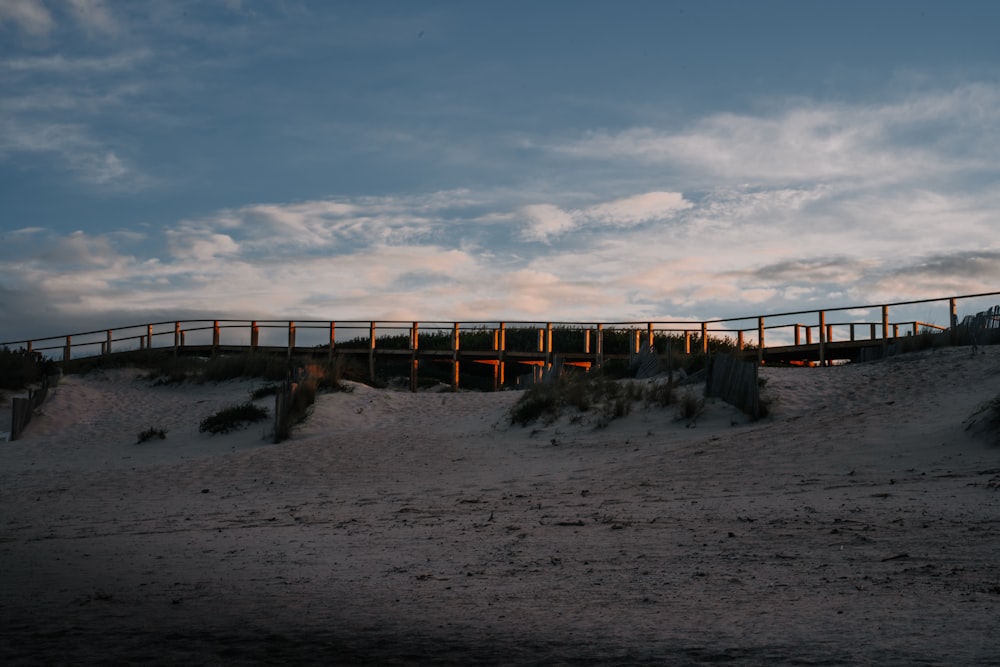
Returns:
(858, 524)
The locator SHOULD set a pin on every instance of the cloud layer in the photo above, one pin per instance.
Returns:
(771, 238)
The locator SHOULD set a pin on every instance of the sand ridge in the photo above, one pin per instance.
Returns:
(858, 523)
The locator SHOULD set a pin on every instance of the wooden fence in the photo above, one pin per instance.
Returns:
(22, 408)
(734, 381)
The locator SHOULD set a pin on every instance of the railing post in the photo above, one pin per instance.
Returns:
(149, 336)
(455, 342)
(852, 332)
(215, 336)
(183, 337)
(872, 336)
(586, 341)
(548, 344)
(600, 345)
(704, 337)
(739, 340)
(636, 338)
(687, 342)
(885, 324)
(414, 362)
(371, 351)
(809, 335)
(107, 345)
(914, 328)
(798, 335)
(177, 336)
(68, 350)
(30, 347)
(333, 334)
(953, 320)
(760, 340)
(649, 335)
(822, 338)
(501, 352)
(254, 335)
(291, 338)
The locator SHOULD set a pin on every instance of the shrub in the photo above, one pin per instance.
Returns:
(151, 433)
(232, 418)
(690, 405)
(18, 368)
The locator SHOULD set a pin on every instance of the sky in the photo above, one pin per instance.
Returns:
(559, 160)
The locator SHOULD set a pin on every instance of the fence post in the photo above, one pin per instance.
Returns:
(798, 334)
(291, 338)
(885, 326)
(107, 345)
(215, 336)
(599, 358)
(371, 351)
(454, 355)
(502, 352)
(254, 335)
(687, 342)
(414, 362)
(760, 340)
(333, 333)
(548, 344)
(739, 340)
(149, 336)
(704, 337)
(177, 336)
(649, 336)
(68, 350)
(822, 338)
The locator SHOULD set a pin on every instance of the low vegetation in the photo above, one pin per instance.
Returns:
(606, 398)
(19, 368)
(233, 418)
(151, 433)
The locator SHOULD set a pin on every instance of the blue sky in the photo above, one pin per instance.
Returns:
(596, 161)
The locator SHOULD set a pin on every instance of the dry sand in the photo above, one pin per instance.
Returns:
(858, 524)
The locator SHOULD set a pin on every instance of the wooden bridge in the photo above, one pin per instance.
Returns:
(800, 337)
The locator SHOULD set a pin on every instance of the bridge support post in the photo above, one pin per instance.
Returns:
(371, 352)
(822, 338)
(501, 353)
(291, 339)
(704, 337)
(215, 336)
(107, 344)
(414, 362)
(760, 340)
(455, 341)
(254, 336)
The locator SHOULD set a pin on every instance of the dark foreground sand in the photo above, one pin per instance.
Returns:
(859, 524)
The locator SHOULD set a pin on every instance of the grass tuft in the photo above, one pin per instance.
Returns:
(151, 433)
(232, 418)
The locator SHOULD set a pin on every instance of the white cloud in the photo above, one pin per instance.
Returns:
(638, 209)
(545, 221)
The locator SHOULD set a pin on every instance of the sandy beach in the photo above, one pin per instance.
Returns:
(859, 523)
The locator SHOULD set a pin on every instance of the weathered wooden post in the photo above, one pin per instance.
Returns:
(177, 336)
(798, 335)
(107, 344)
(872, 335)
(371, 352)
(216, 335)
(254, 336)
(760, 340)
(649, 335)
(687, 342)
(852, 332)
(822, 338)
(885, 328)
(953, 320)
(809, 335)
(68, 350)
(915, 328)
(149, 336)
(548, 345)
(739, 340)
(291, 338)
(414, 361)
(455, 341)
(502, 352)
(704, 337)
(636, 341)
(30, 347)
(599, 354)
(183, 335)
(333, 334)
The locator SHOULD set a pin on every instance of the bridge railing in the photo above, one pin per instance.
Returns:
(878, 323)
